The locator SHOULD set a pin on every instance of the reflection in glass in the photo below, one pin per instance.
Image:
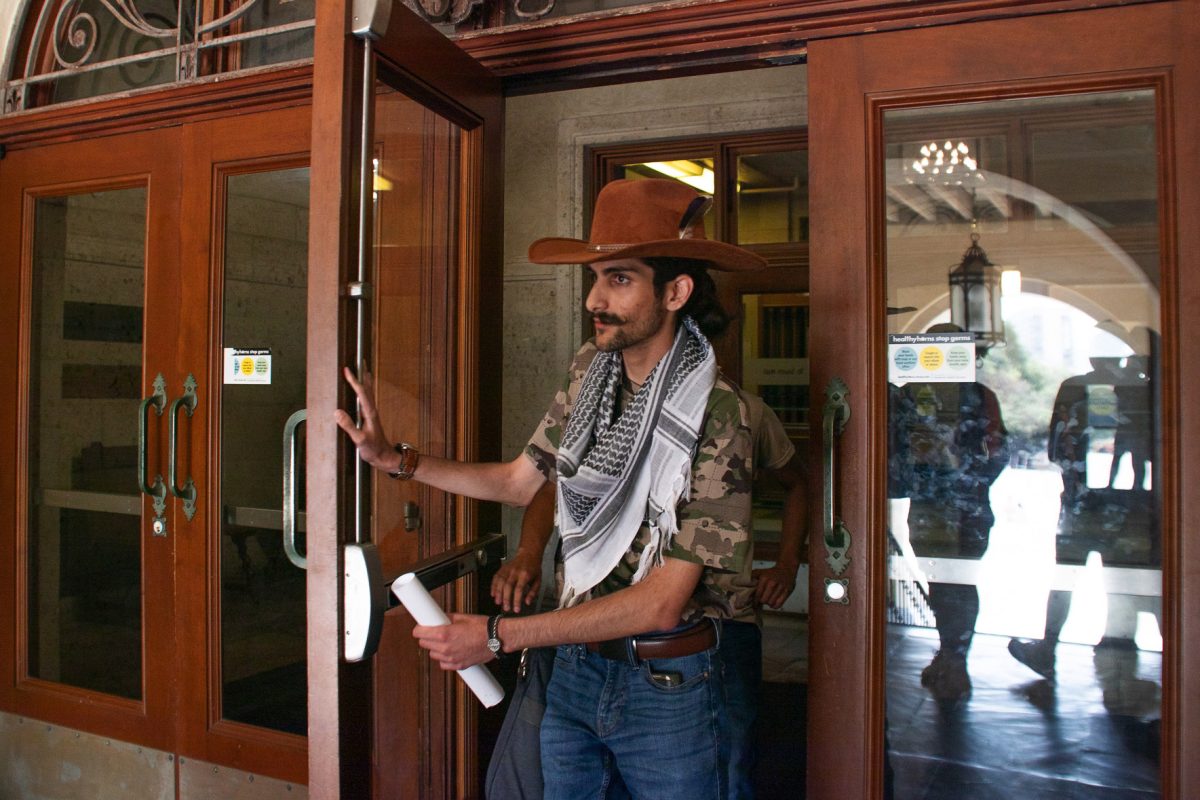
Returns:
(695, 172)
(263, 665)
(85, 385)
(772, 197)
(1024, 504)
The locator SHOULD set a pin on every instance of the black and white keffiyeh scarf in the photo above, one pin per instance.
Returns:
(616, 474)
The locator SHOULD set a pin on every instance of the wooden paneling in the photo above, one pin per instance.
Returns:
(667, 40)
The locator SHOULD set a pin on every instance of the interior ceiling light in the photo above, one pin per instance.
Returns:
(947, 162)
(696, 175)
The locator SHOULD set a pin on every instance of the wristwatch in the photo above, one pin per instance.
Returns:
(409, 458)
(493, 643)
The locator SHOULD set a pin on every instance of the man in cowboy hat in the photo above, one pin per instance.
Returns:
(650, 452)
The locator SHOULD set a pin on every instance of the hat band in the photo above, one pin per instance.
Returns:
(605, 248)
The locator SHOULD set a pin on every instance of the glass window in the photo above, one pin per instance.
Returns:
(84, 528)
(92, 48)
(772, 197)
(263, 639)
(1024, 424)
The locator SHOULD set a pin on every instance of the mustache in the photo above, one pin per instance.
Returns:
(608, 319)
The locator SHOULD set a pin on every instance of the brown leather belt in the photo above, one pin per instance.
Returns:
(635, 649)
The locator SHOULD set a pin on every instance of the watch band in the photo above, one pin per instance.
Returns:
(493, 628)
(409, 458)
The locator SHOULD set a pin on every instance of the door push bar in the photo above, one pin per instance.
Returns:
(367, 597)
(290, 485)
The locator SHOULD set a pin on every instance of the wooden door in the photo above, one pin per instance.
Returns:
(91, 282)
(404, 282)
(1041, 107)
(142, 614)
(239, 600)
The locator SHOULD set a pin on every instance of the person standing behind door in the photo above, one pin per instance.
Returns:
(650, 452)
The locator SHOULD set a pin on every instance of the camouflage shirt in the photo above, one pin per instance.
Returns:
(714, 524)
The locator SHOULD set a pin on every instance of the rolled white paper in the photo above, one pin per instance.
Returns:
(426, 611)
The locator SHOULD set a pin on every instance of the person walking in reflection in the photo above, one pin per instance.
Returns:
(1121, 525)
(956, 445)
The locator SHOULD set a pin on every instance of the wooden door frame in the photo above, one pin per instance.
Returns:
(453, 84)
(852, 81)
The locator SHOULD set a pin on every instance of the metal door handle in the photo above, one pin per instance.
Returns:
(157, 490)
(289, 488)
(837, 537)
(187, 492)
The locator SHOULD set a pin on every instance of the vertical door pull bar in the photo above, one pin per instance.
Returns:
(187, 492)
(374, 15)
(157, 490)
(289, 488)
(837, 537)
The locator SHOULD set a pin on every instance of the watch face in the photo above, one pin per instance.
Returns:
(493, 645)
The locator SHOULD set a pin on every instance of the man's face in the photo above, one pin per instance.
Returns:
(623, 304)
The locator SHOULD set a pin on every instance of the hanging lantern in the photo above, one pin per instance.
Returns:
(975, 296)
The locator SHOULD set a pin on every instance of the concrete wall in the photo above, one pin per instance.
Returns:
(545, 159)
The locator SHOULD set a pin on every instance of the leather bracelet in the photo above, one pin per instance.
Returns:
(409, 458)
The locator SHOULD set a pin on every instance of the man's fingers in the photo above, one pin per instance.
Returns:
(534, 586)
(346, 423)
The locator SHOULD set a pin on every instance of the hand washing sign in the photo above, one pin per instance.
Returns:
(931, 358)
(247, 365)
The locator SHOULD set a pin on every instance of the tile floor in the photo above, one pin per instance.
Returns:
(1092, 733)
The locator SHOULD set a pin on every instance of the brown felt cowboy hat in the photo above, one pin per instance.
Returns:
(646, 218)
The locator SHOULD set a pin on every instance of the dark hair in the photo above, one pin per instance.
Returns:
(703, 305)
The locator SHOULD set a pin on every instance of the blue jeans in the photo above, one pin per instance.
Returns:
(741, 650)
(604, 716)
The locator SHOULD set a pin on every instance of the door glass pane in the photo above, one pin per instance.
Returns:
(85, 553)
(418, 238)
(1024, 496)
(775, 354)
(775, 369)
(263, 637)
(772, 197)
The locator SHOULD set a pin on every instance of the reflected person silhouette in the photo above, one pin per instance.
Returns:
(1115, 401)
(949, 446)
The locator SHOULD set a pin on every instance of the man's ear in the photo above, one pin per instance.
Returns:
(679, 291)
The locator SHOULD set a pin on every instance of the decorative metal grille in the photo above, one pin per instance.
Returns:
(457, 12)
(72, 38)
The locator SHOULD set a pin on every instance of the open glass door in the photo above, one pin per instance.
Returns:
(404, 274)
(1000, 608)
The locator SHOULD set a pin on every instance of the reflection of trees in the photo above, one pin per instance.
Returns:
(1025, 387)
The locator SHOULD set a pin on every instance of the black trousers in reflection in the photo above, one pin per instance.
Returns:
(941, 530)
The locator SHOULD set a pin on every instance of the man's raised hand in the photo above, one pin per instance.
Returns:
(372, 443)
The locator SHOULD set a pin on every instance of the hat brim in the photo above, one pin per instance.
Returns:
(719, 255)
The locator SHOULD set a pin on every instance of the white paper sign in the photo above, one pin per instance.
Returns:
(247, 365)
(931, 358)
(426, 611)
